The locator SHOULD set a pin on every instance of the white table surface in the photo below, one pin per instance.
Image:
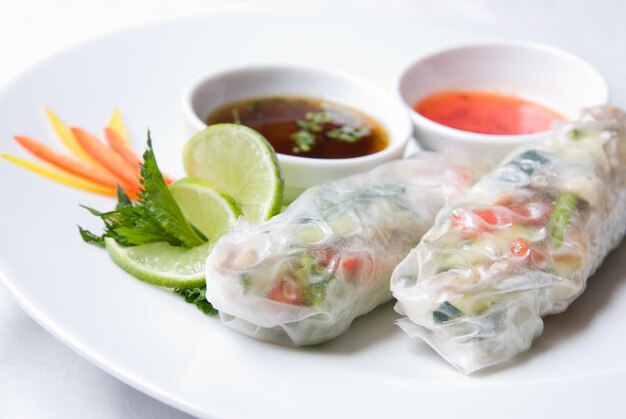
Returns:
(39, 376)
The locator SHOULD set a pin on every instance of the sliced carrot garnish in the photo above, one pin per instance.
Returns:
(96, 174)
(117, 124)
(65, 135)
(167, 179)
(117, 143)
(60, 176)
(127, 174)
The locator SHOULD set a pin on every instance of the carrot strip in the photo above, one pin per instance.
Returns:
(127, 174)
(120, 147)
(60, 176)
(117, 143)
(116, 123)
(65, 135)
(77, 167)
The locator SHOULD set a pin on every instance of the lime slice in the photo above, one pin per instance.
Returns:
(239, 161)
(161, 263)
(212, 212)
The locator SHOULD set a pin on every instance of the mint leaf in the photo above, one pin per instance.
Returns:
(160, 204)
(197, 296)
(154, 218)
(89, 237)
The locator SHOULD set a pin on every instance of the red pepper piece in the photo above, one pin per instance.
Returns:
(287, 291)
(351, 265)
(520, 247)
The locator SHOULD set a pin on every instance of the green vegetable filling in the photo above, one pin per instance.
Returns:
(560, 219)
(446, 312)
(314, 293)
(529, 160)
(575, 134)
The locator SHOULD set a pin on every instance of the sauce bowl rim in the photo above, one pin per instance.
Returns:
(395, 143)
(476, 137)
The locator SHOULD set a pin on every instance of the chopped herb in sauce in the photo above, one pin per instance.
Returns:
(306, 127)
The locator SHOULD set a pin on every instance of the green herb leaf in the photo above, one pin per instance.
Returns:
(314, 123)
(89, 237)
(319, 118)
(309, 126)
(304, 140)
(349, 133)
(575, 134)
(154, 218)
(197, 296)
(122, 199)
(160, 204)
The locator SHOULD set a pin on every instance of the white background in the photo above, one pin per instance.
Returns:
(39, 377)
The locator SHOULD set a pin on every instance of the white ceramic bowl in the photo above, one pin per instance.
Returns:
(216, 90)
(542, 74)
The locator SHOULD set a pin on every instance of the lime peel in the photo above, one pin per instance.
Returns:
(161, 263)
(208, 209)
(239, 161)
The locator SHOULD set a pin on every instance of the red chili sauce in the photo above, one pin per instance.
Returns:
(487, 113)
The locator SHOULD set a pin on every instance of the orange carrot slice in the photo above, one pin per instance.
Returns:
(116, 123)
(77, 167)
(60, 176)
(117, 143)
(127, 174)
(67, 138)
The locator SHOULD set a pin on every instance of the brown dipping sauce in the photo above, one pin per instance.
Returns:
(306, 127)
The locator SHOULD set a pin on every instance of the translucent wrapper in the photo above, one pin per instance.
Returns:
(519, 245)
(302, 277)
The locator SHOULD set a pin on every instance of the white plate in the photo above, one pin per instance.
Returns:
(152, 340)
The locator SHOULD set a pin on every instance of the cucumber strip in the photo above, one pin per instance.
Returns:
(529, 161)
(560, 219)
(446, 312)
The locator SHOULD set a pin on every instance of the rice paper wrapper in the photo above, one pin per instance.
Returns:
(519, 245)
(302, 277)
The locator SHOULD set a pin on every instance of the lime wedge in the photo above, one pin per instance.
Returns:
(239, 161)
(212, 212)
(161, 263)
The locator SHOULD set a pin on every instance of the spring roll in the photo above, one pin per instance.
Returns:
(302, 277)
(519, 245)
